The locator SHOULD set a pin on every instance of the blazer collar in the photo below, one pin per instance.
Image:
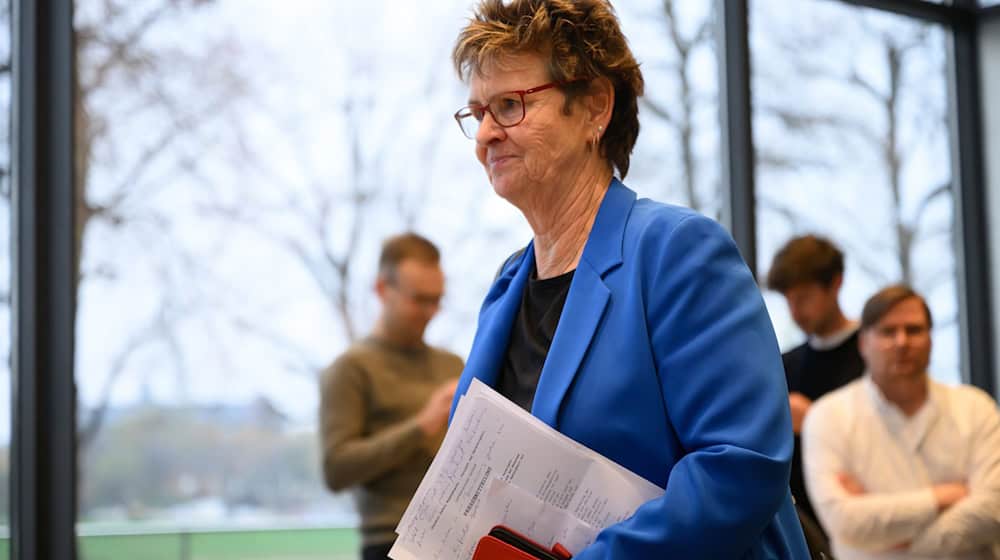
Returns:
(585, 304)
(489, 346)
(603, 250)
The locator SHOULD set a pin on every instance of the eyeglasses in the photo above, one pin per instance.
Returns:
(507, 109)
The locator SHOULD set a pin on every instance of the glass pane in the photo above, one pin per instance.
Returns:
(676, 158)
(852, 143)
(201, 124)
(242, 162)
(5, 276)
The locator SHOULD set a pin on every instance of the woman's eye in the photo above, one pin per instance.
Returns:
(508, 104)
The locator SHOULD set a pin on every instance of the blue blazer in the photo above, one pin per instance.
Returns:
(665, 361)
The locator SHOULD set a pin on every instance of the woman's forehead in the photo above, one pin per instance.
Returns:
(508, 72)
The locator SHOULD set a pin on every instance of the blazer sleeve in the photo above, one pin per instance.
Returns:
(725, 397)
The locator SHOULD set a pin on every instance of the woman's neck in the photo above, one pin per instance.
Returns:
(562, 224)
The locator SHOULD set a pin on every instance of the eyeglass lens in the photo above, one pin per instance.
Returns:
(506, 109)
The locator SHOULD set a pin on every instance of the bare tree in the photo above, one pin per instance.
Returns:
(894, 151)
(380, 184)
(331, 218)
(834, 136)
(679, 112)
(5, 152)
(139, 128)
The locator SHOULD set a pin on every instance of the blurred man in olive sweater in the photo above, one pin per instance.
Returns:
(385, 401)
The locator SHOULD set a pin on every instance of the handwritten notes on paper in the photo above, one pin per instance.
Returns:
(500, 465)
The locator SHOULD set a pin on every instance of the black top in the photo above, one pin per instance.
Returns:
(815, 373)
(531, 336)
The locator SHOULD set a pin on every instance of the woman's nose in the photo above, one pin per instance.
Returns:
(488, 129)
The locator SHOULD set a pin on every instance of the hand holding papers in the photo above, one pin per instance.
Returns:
(500, 465)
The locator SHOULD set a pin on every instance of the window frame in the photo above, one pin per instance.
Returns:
(43, 484)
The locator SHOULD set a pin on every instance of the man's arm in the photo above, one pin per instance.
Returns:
(870, 521)
(351, 455)
(799, 404)
(974, 522)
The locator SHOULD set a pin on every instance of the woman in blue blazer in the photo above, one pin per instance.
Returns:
(631, 326)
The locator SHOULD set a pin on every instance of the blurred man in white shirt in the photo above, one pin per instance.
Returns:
(896, 464)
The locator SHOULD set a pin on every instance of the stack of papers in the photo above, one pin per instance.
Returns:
(499, 465)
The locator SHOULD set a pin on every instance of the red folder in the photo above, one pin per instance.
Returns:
(503, 543)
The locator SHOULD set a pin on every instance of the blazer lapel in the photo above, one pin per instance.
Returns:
(585, 304)
(495, 321)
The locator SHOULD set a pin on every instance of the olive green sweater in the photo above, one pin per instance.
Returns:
(371, 441)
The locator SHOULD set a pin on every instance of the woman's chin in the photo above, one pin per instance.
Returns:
(505, 189)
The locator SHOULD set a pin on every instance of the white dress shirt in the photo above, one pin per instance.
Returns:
(954, 437)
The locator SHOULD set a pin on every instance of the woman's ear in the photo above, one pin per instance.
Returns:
(600, 102)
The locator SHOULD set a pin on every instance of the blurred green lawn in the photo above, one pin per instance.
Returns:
(292, 544)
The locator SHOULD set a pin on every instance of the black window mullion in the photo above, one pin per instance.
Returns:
(43, 442)
(972, 234)
(921, 9)
(737, 133)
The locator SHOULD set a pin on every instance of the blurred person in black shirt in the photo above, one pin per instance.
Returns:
(808, 271)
